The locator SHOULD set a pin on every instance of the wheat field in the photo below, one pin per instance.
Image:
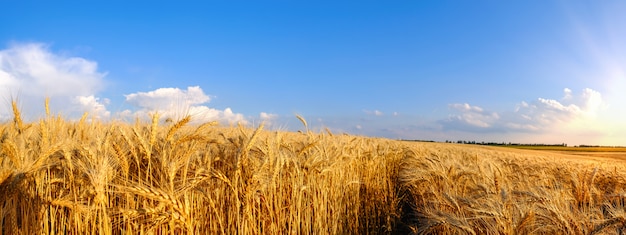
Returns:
(87, 177)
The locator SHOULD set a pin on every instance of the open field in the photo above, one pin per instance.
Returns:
(601, 152)
(569, 149)
(63, 177)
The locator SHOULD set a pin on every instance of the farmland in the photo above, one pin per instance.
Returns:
(87, 177)
(590, 151)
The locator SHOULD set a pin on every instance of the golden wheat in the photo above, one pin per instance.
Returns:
(139, 178)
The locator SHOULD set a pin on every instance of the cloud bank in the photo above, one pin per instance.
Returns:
(30, 72)
(574, 116)
(539, 115)
(471, 118)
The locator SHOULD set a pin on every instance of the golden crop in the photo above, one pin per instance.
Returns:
(64, 177)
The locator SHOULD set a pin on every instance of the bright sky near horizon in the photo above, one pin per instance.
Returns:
(503, 71)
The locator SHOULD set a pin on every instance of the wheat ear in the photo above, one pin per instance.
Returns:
(177, 126)
(17, 118)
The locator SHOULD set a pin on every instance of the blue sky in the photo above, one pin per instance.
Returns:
(528, 71)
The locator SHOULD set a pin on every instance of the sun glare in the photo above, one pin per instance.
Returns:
(600, 45)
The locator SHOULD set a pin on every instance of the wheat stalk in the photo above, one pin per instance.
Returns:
(161, 196)
(177, 126)
(17, 118)
(236, 181)
(303, 121)
(47, 107)
(608, 223)
(154, 129)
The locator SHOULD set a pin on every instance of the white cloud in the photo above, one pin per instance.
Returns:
(176, 103)
(540, 116)
(471, 116)
(568, 94)
(267, 116)
(204, 114)
(34, 70)
(31, 71)
(94, 106)
(548, 112)
(592, 102)
(467, 108)
(168, 98)
(375, 112)
(268, 119)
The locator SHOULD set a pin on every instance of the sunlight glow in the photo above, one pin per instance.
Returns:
(603, 51)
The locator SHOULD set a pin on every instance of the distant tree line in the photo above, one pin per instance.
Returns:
(430, 141)
(504, 143)
(510, 143)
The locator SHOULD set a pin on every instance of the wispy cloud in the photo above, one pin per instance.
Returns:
(546, 113)
(269, 119)
(375, 112)
(537, 116)
(471, 117)
(267, 116)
